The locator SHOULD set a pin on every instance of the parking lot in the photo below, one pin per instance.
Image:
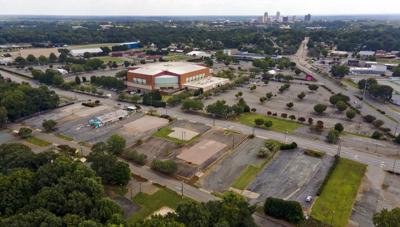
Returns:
(223, 174)
(302, 108)
(292, 175)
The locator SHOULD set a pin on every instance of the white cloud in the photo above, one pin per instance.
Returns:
(196, 7)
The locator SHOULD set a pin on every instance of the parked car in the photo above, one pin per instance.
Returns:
(309, 199)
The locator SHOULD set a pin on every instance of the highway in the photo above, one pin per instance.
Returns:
(300, 58)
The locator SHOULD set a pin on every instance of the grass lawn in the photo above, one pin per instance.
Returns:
(339, 193)
(151, 203)
(165, 131)
(166, 97)
(350, 83)
(64, 137)
(118, 60)
(94, 45)
(278, 125)
(38, 142)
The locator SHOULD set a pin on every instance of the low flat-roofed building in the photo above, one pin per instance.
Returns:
(373, 70)
(164, 76)
(201, 54)
(207, 83)
(81, 52)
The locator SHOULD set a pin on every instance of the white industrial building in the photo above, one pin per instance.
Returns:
(207, 83)
(201, 54)
(373, 70)
(81, 52)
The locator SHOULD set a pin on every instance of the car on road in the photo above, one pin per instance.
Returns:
(309, 199)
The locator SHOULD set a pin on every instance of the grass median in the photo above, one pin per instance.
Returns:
(278, 125)
(38, 142)
(335, 203)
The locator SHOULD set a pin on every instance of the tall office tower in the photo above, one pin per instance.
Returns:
(278, 16)
(307, 18)
(285, 19)
(265, 18)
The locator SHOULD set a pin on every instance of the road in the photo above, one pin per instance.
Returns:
(201, 195)
(300, 58)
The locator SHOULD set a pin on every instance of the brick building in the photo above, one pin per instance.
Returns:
(164, 76)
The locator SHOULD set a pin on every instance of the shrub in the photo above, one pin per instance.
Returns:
(292, 117)
(168, 167)
(284, 115)
(268, 124)
(301, 95)
(350, 114)
(290, 211)
(49, 125)
(369, 118)
(269, 113)
(301, 119)
(341, 106)
(339, 127)
(289, 146)
(334, 99)
(310, 121)
(378, 123)
(376, 135)
(333, 136)
(259, 121)
(135, 157)
(316, 154)
(289, 105)
(313, 87)
(25, 132)
(319, 127)
(263, 152)
(320, 108)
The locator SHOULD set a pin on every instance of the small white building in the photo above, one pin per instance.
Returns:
(199, 54)
(366, 54)
(207, 83)
(6, 61)
(81, 52)
(373, 70)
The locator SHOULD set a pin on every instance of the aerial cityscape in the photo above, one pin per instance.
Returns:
(199, 113)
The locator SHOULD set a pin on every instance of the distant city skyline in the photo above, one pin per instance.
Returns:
(196, 7)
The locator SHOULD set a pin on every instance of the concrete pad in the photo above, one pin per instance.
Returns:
(163, 211)
(201, 152)
(144, 124)
(182, 133)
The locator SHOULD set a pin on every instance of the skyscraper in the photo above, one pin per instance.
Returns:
(307, 18)
(265, 18)
(278, 16)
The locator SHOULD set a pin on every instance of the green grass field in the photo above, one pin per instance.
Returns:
(334, 205)
(278, 125)
(38, 142)
(94, 45)
(151, 203)
(118, 60)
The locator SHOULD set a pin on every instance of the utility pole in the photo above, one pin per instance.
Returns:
(339, 148)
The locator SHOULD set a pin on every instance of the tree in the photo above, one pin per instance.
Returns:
(297, 71)
(20, 61)
(396, 71)
(239, 94)
(376, 135)
(25, 132)
(219, 109)
(268, 124)
(77, 80)
(53, 58)
(43, 60)
(339, 127)
(289, 105)
(340, 70)
(301, 95)
(320, 108)
(290, 211)
(49, 125)
(378, 123)
(269, 95)
(369, 118)
(3, 117)
(30, 59)
(387, 218)
(192, 105)
(397, 139)
(350, 114)
(259, 121)
(337, 98)
(116, 144)
(333, 136)
(122, 74)
(104, 210)
(111, 171)
(341, 106)
(313, 87)
(253, 87)
(263, 99)
(168, 167)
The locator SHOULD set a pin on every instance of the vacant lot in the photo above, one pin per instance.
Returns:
(118, 60)
(336, 201)
(157, 148)
(292, 175)
(152, 203)
(221, 176)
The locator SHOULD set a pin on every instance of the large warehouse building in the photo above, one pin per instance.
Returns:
(165, 76)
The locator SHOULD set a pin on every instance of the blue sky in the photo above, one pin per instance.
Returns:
(197, 7)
